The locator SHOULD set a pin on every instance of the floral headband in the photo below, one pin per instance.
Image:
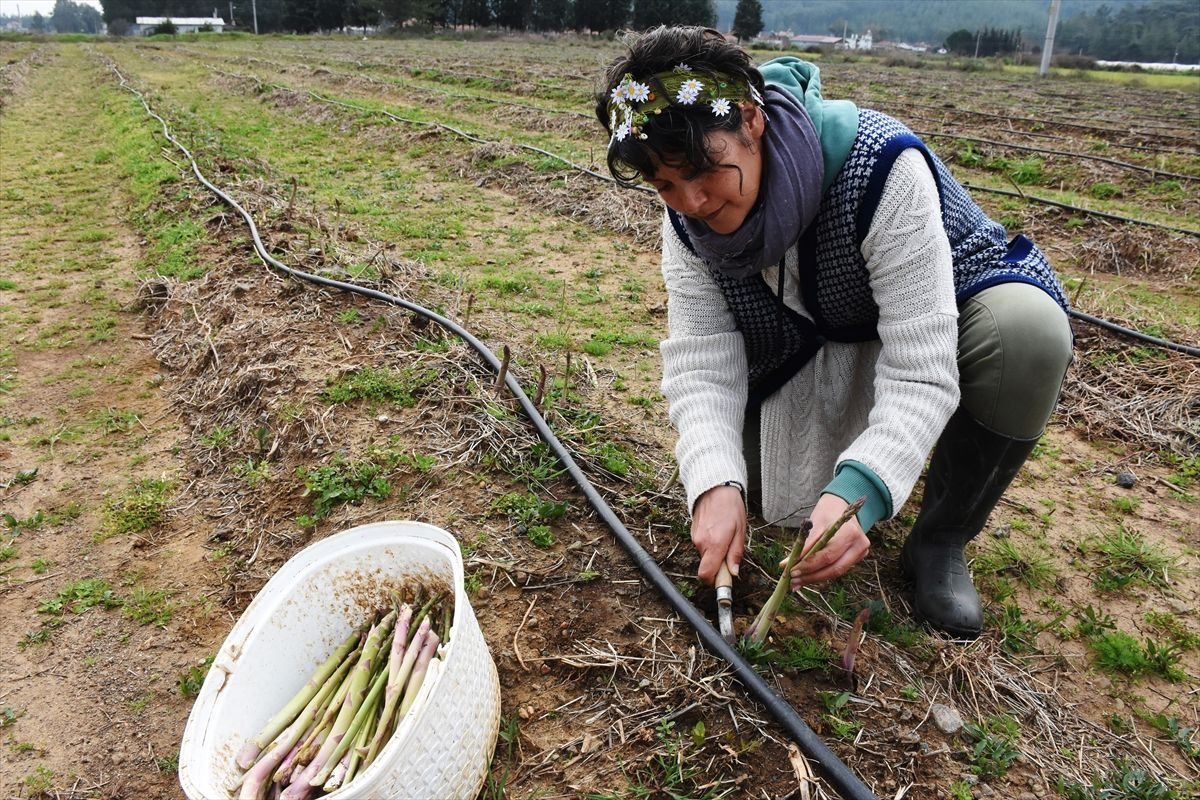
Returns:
(632, 102)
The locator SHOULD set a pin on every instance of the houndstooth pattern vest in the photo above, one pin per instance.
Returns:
(834, 281)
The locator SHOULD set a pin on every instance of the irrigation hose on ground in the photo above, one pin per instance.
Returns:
(839, 776)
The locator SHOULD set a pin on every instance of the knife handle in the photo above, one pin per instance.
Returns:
(724, 586)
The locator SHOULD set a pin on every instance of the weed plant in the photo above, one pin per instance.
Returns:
(140, 508)
(393, 387)
(528, 512)
(191, 679)
(148, 607)
(838, 715)
(340, 481)
(1125, 782)
(1120, 652)
(994, 750)
(1126, 559)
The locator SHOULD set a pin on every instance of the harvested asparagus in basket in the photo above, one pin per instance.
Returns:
(334, 728)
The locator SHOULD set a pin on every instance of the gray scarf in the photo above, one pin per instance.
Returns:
(789, 195)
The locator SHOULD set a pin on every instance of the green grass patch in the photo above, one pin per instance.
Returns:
(1122, 653)
(78, 596)
(1123, 782)
(141, 507)
(394, 387)
(531, 514)
(341, 481)
(1127, 559)
(995, 749)
(148, 607)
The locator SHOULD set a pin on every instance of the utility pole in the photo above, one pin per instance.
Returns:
(1048, 46)
(231, 13)
(254, 13)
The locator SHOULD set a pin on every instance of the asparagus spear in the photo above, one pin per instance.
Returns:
(418, 673)
(758, 630)
(315, 736)
(358, 756)
(395, 687)
(277, 723)
(358, 688)
(364, 712)
(424, 611)
(286, 744)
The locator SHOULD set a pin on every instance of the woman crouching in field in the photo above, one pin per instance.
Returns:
(838, 308)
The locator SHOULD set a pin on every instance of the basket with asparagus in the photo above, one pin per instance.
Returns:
(335, 726)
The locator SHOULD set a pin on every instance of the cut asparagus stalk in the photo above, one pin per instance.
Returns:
(358, 688)
(418, 674)
(758, 630)
(365, 711)
(395, 688)
(358, 757)
(277, 723)
(286, 744)
(424, 612)
(315, 736)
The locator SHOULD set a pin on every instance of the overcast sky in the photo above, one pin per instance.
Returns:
(9, 8)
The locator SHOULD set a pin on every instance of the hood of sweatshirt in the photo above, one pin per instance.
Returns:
(836, 121)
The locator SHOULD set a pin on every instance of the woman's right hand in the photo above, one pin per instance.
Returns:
(719, 531)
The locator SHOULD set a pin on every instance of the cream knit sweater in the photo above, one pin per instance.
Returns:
(881, 403)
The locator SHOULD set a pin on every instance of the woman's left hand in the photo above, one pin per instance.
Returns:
(844, 550)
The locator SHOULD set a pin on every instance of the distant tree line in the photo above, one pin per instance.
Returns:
(67, 17)
(308, 16)
(983, 43)
(1125, 30)
(1164, 31)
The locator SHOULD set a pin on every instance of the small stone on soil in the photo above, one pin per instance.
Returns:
(1126, 480)
(947, 719)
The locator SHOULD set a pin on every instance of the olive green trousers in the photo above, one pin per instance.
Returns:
(1014, 347)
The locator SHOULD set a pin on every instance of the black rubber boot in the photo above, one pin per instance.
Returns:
(970, 469)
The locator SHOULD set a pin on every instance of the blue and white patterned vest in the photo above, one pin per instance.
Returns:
(834, 281)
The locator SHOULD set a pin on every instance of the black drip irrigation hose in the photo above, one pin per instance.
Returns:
(1090, 212)
(1141, 337)
(840, 777)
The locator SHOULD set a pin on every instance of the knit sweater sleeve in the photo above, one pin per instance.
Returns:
(704, 373)
(916, 375)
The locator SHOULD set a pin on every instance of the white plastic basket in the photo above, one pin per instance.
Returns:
(442, 747)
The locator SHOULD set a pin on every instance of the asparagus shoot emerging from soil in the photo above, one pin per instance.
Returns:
(758, 630)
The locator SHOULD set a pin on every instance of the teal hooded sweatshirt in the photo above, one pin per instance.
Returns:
(836, 121)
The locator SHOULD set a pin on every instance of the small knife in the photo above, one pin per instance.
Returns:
(725, 603)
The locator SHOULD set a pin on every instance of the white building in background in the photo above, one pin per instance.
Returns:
(144, 26)
(856, 42)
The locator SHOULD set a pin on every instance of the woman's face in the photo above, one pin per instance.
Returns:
(722, 196)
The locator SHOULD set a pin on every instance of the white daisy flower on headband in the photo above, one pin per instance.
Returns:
(639, 92)
(617, 94)
(720, 106)
(689, 90)
(681, 67)
(622, 131)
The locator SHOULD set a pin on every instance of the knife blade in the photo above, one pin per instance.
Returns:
(724, 586)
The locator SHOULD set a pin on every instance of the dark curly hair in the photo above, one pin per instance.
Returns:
(677, 136)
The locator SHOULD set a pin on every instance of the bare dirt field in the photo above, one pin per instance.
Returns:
(177, 420)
